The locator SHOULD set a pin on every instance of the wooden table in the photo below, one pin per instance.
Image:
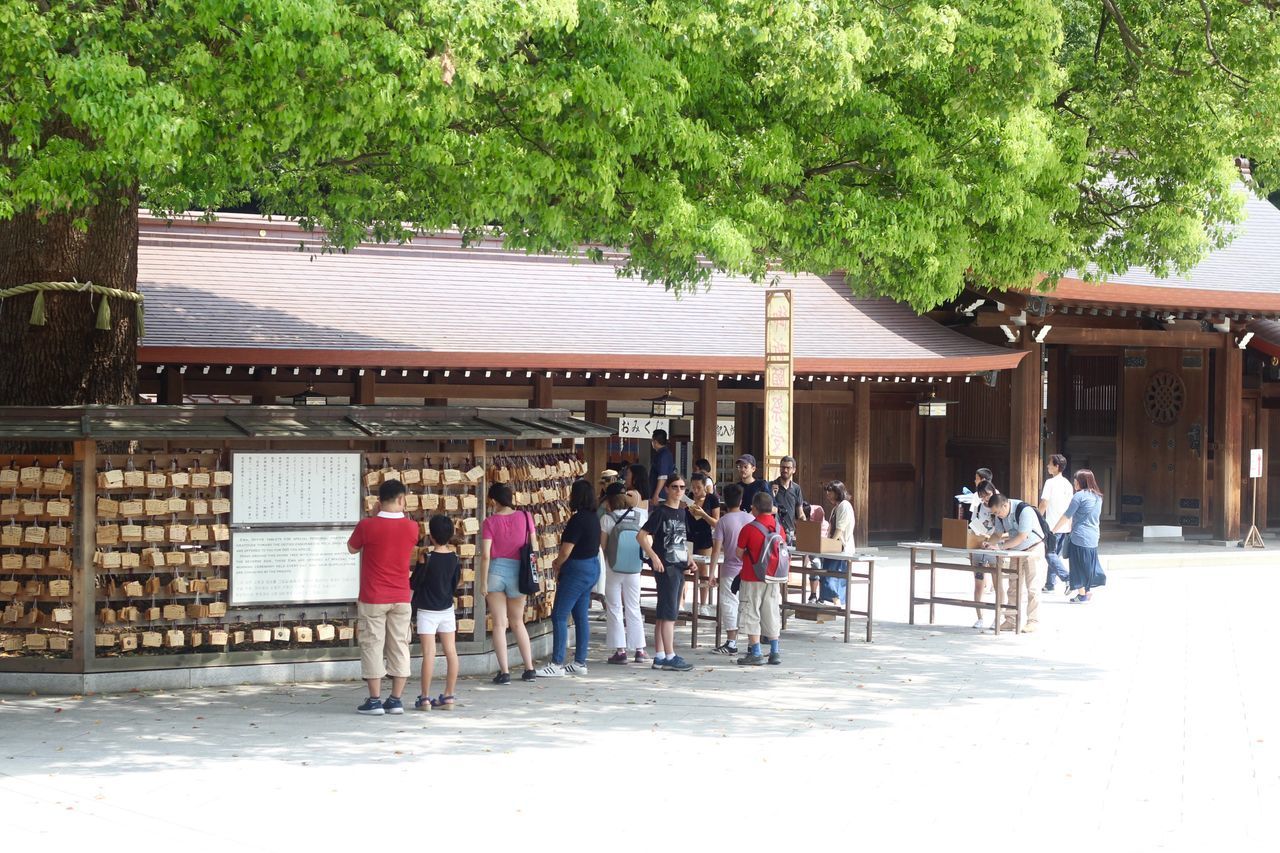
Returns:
(800, 566)
(1005, 566)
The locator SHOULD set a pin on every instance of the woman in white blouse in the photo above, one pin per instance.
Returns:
(833, 589)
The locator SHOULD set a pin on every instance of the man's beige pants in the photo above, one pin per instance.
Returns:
(384, 639)
(1032, 573)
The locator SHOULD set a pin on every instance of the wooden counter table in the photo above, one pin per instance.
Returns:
(925, 557)
(800, 567)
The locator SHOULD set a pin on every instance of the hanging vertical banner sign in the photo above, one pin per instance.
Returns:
(778, 371)
(1255, 463)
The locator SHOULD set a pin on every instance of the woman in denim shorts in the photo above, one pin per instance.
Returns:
(504, 533)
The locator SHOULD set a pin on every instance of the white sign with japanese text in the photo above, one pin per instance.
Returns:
(726, 431)
(634, 427)
(296, 488)
(292, 567)
(1255, 463)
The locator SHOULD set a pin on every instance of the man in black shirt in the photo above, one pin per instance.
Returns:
(788, 499)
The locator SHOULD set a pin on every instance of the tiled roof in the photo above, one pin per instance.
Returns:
(1244, 276)
(239, 291)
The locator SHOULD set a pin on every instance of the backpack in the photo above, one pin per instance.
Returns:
(773, 543)
(621, 548)
(1048, 537)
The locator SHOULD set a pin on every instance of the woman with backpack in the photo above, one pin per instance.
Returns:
(1082, 516)
(577, 567)
(624, 624)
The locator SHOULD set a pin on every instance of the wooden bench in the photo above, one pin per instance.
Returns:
(1004, 568)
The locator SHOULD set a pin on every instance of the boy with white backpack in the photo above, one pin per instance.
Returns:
(624, 623)
(765, 561)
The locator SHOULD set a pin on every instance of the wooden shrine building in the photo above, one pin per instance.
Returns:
(1161, 386)
(236, 313)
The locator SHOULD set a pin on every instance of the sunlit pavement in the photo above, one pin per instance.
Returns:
(1146, 719)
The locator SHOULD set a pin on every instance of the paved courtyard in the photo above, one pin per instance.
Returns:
(1148, 719)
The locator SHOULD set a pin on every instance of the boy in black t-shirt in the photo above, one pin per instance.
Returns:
(434, 583)
(665, 541)
(704, 510)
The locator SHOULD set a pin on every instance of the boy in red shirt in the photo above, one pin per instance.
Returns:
(385, 544)
(760, 603)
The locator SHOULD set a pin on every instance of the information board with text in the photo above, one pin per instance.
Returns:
(296, 488)
(293, 567)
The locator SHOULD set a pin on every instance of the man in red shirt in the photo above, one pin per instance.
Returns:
(385, 544)
(760, 603)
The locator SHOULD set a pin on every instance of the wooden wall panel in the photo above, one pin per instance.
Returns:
(895, 479)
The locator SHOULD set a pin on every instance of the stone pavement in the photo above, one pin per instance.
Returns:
(1148, 719)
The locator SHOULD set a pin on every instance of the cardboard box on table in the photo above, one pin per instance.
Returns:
(956, 533)
(809, 538)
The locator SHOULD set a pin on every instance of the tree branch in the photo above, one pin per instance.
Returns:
(846, 164)
(1131, 42)
(1240, 82)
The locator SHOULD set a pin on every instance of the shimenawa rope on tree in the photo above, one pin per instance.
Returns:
(39, 317)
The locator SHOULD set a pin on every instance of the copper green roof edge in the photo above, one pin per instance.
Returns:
(113, 423)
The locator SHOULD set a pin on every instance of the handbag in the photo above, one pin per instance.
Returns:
(529, 581)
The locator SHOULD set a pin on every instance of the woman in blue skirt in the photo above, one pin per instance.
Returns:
(1081, 518)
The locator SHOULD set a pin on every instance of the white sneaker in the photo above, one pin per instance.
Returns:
(551, 670)
(575, 668)
(706, 610)
(980, 625)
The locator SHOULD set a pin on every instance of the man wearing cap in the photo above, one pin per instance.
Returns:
(751, 485)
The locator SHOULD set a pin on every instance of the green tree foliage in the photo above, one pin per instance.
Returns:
(916, 145)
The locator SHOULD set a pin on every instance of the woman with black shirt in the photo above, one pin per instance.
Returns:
(577, 569)
(704, 507)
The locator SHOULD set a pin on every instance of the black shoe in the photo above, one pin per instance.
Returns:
(751, 660)
(502, 678)
(529, 675)
(1046, 588)
(775, 658)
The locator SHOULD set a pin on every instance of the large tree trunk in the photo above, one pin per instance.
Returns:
(67, 361)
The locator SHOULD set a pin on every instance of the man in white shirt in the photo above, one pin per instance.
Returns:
(1053, 502)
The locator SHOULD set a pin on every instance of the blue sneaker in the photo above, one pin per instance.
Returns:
(676, 664)
(372, 706)
(393, 705)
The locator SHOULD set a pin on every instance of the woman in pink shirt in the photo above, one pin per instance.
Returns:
(504, 533)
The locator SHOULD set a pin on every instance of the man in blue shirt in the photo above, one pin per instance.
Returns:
(662, 467)
(1017, 528)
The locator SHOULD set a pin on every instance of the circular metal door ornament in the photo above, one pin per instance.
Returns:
(1164, 398)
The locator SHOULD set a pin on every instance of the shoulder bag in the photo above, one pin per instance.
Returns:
(529, 581)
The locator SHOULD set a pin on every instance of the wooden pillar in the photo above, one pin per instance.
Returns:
(366, 388)
(1228, 398)
(171, 387)
(858, 462)
(543, 398)
(82, 574)
(1025, 411)
(936, 486)
(1264, 442)
(704, 416)
(597, 448)
(779, 382)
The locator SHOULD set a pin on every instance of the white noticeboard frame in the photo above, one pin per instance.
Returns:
(275, 566)
(1255, 463)
(296, 489)
(291, 516)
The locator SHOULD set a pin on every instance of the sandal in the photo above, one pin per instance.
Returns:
(423, 703)
(442, 703)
